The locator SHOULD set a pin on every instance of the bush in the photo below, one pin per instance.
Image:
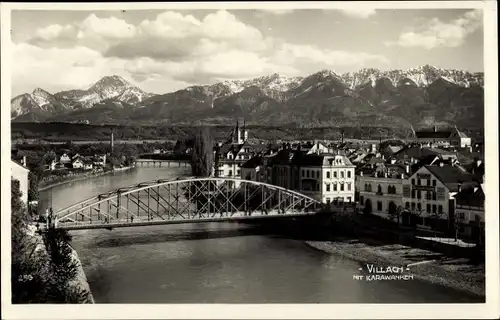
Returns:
(40, 276)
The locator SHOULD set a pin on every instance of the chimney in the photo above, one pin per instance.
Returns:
(393, 161)
(441, 164)
(385, 174)
(407, 169)
(24, 161)
(435, 128)
(402, 176)
(112, 142)
(361, 173)
(459, 186)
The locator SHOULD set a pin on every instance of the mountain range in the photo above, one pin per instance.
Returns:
(418, 97)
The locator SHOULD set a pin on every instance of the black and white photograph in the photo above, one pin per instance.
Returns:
(248, 154)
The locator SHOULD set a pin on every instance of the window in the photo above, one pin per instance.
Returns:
(335, 186)
(434, 197)
(327, 187)
(428, 208)
(348, 199)
(461, 216)
(418, 181)
(379, 189)
(428, 182)
(362, 199)
(413, 205)
(419, 194)
(303, 173)
(433, 208)
(348, 186)
(419, 206)
(366, 186)
(317, 174)
(349, 173)
(335, 174)
(413, 181)
(238, 171)
(391, 189)
(379, 205)
(341, 186)
(327, 200)
(407, 205)
(428, 195)
(413, 191)
(328, 174)
(307, 173)
(440, 209)
(341, 174)
(230, 172)
(433, 182)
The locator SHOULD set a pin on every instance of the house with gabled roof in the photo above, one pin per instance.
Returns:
(470, 210)
(429, 192)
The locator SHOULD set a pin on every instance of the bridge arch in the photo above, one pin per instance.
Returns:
(185, 200)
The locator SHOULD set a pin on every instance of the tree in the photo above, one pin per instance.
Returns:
(457, 223)
(64, 268)
(435, 220)
(395, 212)
(202, 155)
(33, 187)
(28, 266)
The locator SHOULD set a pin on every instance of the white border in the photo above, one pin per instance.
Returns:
(271, 311)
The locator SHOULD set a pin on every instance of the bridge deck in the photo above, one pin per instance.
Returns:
(240, 215)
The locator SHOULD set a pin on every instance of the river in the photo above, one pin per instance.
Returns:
(218, 262)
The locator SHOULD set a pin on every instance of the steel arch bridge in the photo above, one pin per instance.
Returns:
(183, 201)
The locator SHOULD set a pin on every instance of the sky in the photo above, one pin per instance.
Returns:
(164, 50)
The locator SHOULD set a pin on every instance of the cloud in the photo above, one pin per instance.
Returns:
(277, 12)
(291, 54)
(358, 12)
(162, 53)
(111, 28)
(435, 33)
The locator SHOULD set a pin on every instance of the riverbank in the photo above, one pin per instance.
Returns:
(456, 273)
(44, 185)
(81, 279)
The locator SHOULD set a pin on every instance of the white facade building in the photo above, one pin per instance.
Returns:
(327, 178)
(430, 190)
(21, 173)
(380, 193)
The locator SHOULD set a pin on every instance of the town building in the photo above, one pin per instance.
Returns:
(250, 170)
(328, 178)
(469, 209)
(65, 158)
(21, 173)
(81, 163)
(413, 153)
(453, 137)
(380, 190)
(234, 153)
(428, 193)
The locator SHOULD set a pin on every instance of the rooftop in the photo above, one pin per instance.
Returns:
(452, 177)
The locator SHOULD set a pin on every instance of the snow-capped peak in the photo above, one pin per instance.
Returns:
(41, 97)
